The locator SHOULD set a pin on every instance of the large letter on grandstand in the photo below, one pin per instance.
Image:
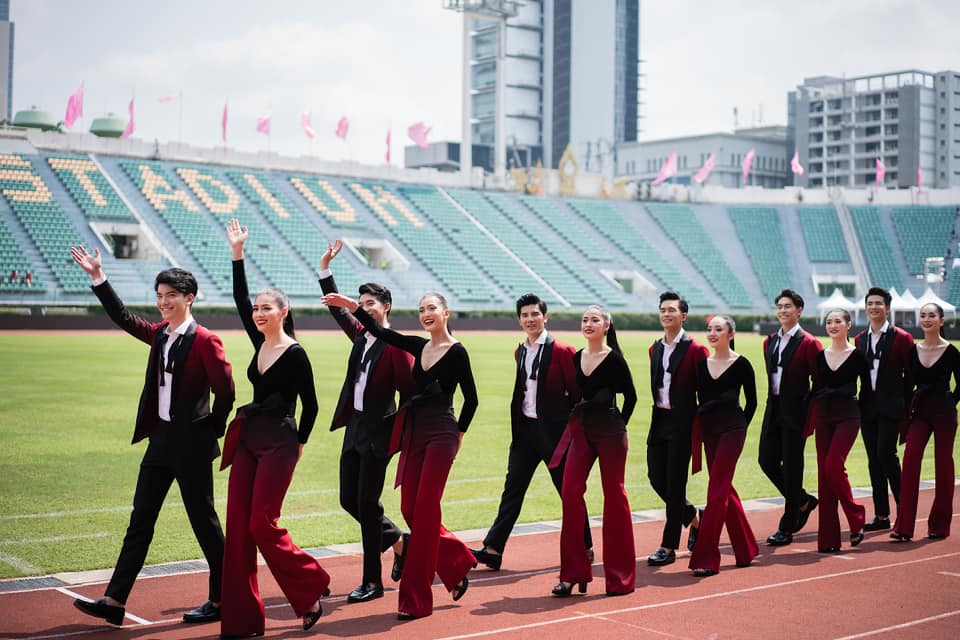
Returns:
(334, 206)
(195, 180)
(265, 196)
(39, 193)
(158, 192)
(80, 168)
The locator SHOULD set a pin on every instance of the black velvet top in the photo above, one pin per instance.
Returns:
(933, 383)
(725, 390)
(841, 383)
(452, 369)
(289, 376)
(612, 376)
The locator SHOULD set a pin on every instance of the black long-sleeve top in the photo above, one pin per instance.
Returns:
(933, 383)
(612, 376)
(452, 369)
(724, 391)
(841, 382)
(289, 376)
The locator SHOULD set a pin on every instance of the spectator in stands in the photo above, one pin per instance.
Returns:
(933, 411)
(791, 358)
(28, 279)
(721, 424)
(185, 364)
(674, 361)
(14, 277)
(597, 429)
(430, 437)
(376, 372)
(883, 398)
(264, 445)
(835, 416)
(544, 390)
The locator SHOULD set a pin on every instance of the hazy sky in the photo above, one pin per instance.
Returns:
(390, 63)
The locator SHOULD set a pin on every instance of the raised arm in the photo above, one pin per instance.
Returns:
(236, 236)
(410, 344)
(350, 325)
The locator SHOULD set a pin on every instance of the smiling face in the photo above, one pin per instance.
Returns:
(718, 333)
(374, 307)
(173, 305)
(532, 321)
(671, 318)
(268, 314)
(788, 313)
(433, 314)
(837, 325)
(877, 309)
(931, 318)
(593, 325)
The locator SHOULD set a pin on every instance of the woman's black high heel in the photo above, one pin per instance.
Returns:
(310, 617)
(460, 589)
(564, 590)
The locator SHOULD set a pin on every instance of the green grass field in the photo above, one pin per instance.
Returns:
(67, 470)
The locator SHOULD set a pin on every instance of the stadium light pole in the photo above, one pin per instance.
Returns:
(497, 11)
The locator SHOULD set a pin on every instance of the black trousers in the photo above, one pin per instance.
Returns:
(668, 457)
(527, 451)
(361, 484)
(880, 436)
(196, 489)
(781, 459)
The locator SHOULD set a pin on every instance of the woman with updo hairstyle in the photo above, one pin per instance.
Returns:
(597, 429)
(428, 436)
(263, 445)
(835, 416)
(933, 411)
(721, 425)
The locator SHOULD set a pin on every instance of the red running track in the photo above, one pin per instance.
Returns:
(880, 589)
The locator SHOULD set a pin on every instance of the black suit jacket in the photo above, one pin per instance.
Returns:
(799, 362)
(893, 387)
(199, 368)
(389, 371)
(683, 366)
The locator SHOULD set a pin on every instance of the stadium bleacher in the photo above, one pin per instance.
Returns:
(877, 250)
(923, 232)
(89, 188)
(822, 235)
(760, 232)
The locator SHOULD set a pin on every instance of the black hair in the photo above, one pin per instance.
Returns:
(283, 302)
(531, 298)
(379, 292)
(612, 341)
(939, 313)
(879, 291)
(673, 295)
(731, 326)
(843, 312)
(178, 279)
(795, 297)
(443, 304)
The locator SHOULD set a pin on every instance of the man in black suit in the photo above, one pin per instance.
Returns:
(376, 371)
(544, 391)
(186, 363)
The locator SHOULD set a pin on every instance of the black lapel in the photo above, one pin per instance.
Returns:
(679, 351)
(787, 353)
(886, 343)
(546, 353)
(179, 355)
(356, 353)
(656, 366)
(863, 341)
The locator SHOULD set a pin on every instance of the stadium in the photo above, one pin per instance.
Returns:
(526, 217)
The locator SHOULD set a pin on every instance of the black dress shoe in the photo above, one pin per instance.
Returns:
(779, 538)
(694, 531)
(397, 571)
(204, 613)
(877, 524)
(100, 609)
(366, 592)
(492, 560)
(662, 557)
(805, 515)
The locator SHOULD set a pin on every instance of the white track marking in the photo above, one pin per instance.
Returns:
(79, 536)
(901, 626)
(127, 614)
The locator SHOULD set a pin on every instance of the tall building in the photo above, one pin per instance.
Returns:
(570, 74)
(6, 62)
(909, 120)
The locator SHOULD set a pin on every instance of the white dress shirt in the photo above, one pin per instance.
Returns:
(785, 339)
(361, 384)
(529, 407)
(663, 393)
(163, 400)
(875, 363)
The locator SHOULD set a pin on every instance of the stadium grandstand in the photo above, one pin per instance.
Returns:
(149, 206)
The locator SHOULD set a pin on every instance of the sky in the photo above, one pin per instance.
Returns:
(386, 64)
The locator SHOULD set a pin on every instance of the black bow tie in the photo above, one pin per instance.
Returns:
(536, 363)
(166, 363)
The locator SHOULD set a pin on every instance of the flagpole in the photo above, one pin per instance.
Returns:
(180, 119)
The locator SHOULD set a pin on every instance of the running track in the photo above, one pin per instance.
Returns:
(878, 590)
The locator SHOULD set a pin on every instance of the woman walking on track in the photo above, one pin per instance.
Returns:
(835, 414)
(597, 429)
(933, 410)
(264, 445)
(429, 438)
(721, 424)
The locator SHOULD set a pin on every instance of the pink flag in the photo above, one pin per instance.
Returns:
(263, 124)
(795, 165)
(388, 146)
(74, 107)
(223, 124)
(128, 131)
(919, 179)
(166, 99)
(305, 124)
(669, 168)
(342, 127)
(881, 171)
(418, 133)
(747, 164)
(705, 169)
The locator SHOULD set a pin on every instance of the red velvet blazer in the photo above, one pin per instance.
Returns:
(893, 390)
(799, 361)
(557, 390)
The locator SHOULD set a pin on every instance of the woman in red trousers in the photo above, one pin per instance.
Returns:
(933, 411)
(430, 439)
(721, 424)
(835, 415)
(267, 449)
(597, 429)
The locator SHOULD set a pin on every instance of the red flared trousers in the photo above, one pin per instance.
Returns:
(943, 427)
(835, 436)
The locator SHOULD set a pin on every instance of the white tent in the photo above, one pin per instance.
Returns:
(837, 301)
(929, 296)
(908, 307)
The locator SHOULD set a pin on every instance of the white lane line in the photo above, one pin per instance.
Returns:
(912, 623)
(79, 536)
(835, 556)
(950, 573)
(711, 596)
(19, 564)
(73, 594)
